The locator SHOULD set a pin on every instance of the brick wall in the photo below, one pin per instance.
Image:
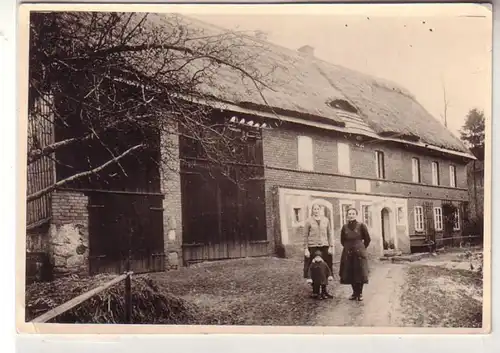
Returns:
(69, 235)
(280, 150)
(281, 156)
(172, 208)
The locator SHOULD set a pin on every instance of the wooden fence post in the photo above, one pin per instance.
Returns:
(128, 299)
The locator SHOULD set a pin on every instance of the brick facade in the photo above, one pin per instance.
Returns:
(68, 234)
(172, 208)
(280, 148)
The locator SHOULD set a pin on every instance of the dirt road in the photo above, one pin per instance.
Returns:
(381, 305)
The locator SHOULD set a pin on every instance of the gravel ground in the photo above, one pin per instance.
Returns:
(258, 291)
(441, 291)
(381, 304)
(432, 292)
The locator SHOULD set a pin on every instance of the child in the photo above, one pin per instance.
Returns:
(319, 275)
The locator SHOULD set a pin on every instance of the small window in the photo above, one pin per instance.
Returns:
(419, 219)
(435, 173)
(400, 216)
(366, 211)
(305, 153)
(415, 170)
(343, 105)
(296, 214)
(456, 221)
(438, 218)
(343, 157)
(379, 163)
(453, 176)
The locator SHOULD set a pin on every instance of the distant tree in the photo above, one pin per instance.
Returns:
(472, 133)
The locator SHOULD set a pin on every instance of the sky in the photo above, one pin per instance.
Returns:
(428, 49)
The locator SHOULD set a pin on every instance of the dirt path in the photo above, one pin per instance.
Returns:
(381, 305)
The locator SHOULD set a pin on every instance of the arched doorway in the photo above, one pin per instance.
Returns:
(387, 236)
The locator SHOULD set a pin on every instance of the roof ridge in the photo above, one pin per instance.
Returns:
(376, 114)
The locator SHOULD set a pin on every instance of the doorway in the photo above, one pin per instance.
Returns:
(125, 233)
(387, 238)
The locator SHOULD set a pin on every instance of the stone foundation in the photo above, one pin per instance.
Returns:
(68, 244)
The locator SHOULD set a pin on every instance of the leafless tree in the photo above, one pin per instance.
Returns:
(446, 104)
(109, 85)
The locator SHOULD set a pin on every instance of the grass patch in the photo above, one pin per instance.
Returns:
(440, 297)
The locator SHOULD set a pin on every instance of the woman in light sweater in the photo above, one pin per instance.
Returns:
(317, 236)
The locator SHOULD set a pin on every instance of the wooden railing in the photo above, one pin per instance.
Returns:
(61, 309)
(464, 240)
(469, 237)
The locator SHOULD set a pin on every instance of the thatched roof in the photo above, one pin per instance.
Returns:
(299, 85)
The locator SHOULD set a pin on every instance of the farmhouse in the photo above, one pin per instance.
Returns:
(325, 134)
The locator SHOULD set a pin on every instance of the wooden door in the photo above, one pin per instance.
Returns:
(125, 232)
(222, 218)
(430, 230)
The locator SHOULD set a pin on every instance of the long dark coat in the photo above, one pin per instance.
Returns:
(355, 239)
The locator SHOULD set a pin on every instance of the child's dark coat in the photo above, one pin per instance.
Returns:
(319, 273)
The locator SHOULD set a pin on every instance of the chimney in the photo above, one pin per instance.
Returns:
(306, 50)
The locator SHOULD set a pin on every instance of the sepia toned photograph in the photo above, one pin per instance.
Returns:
(277, 166)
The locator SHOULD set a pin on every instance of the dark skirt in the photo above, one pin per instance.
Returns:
(353, 266)
(324, 254)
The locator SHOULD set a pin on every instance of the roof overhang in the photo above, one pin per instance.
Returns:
(236, 108)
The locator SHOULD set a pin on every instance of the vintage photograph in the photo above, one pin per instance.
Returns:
(282, 166)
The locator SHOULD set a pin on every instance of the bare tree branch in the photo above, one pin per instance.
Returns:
(60, 183)
(127, 78)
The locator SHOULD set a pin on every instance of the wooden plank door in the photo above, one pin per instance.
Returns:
(123, 228)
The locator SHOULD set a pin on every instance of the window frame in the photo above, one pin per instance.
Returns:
(438, 218)
(435, 173)
(341, 166)
(456, 222)
(419, 227)
(309, 166)
(380, 164)
(363, 207)
(416, 165)
(453, 175)
(301, 213)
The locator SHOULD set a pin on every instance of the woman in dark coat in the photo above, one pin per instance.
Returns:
(355, 239)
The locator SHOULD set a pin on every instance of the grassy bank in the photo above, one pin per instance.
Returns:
(442, 297)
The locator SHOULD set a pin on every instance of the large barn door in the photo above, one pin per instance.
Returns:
(125, 228)
(222, 218)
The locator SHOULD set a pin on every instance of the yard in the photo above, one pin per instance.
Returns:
(443, 292)
(440, 291)
(258, 291)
